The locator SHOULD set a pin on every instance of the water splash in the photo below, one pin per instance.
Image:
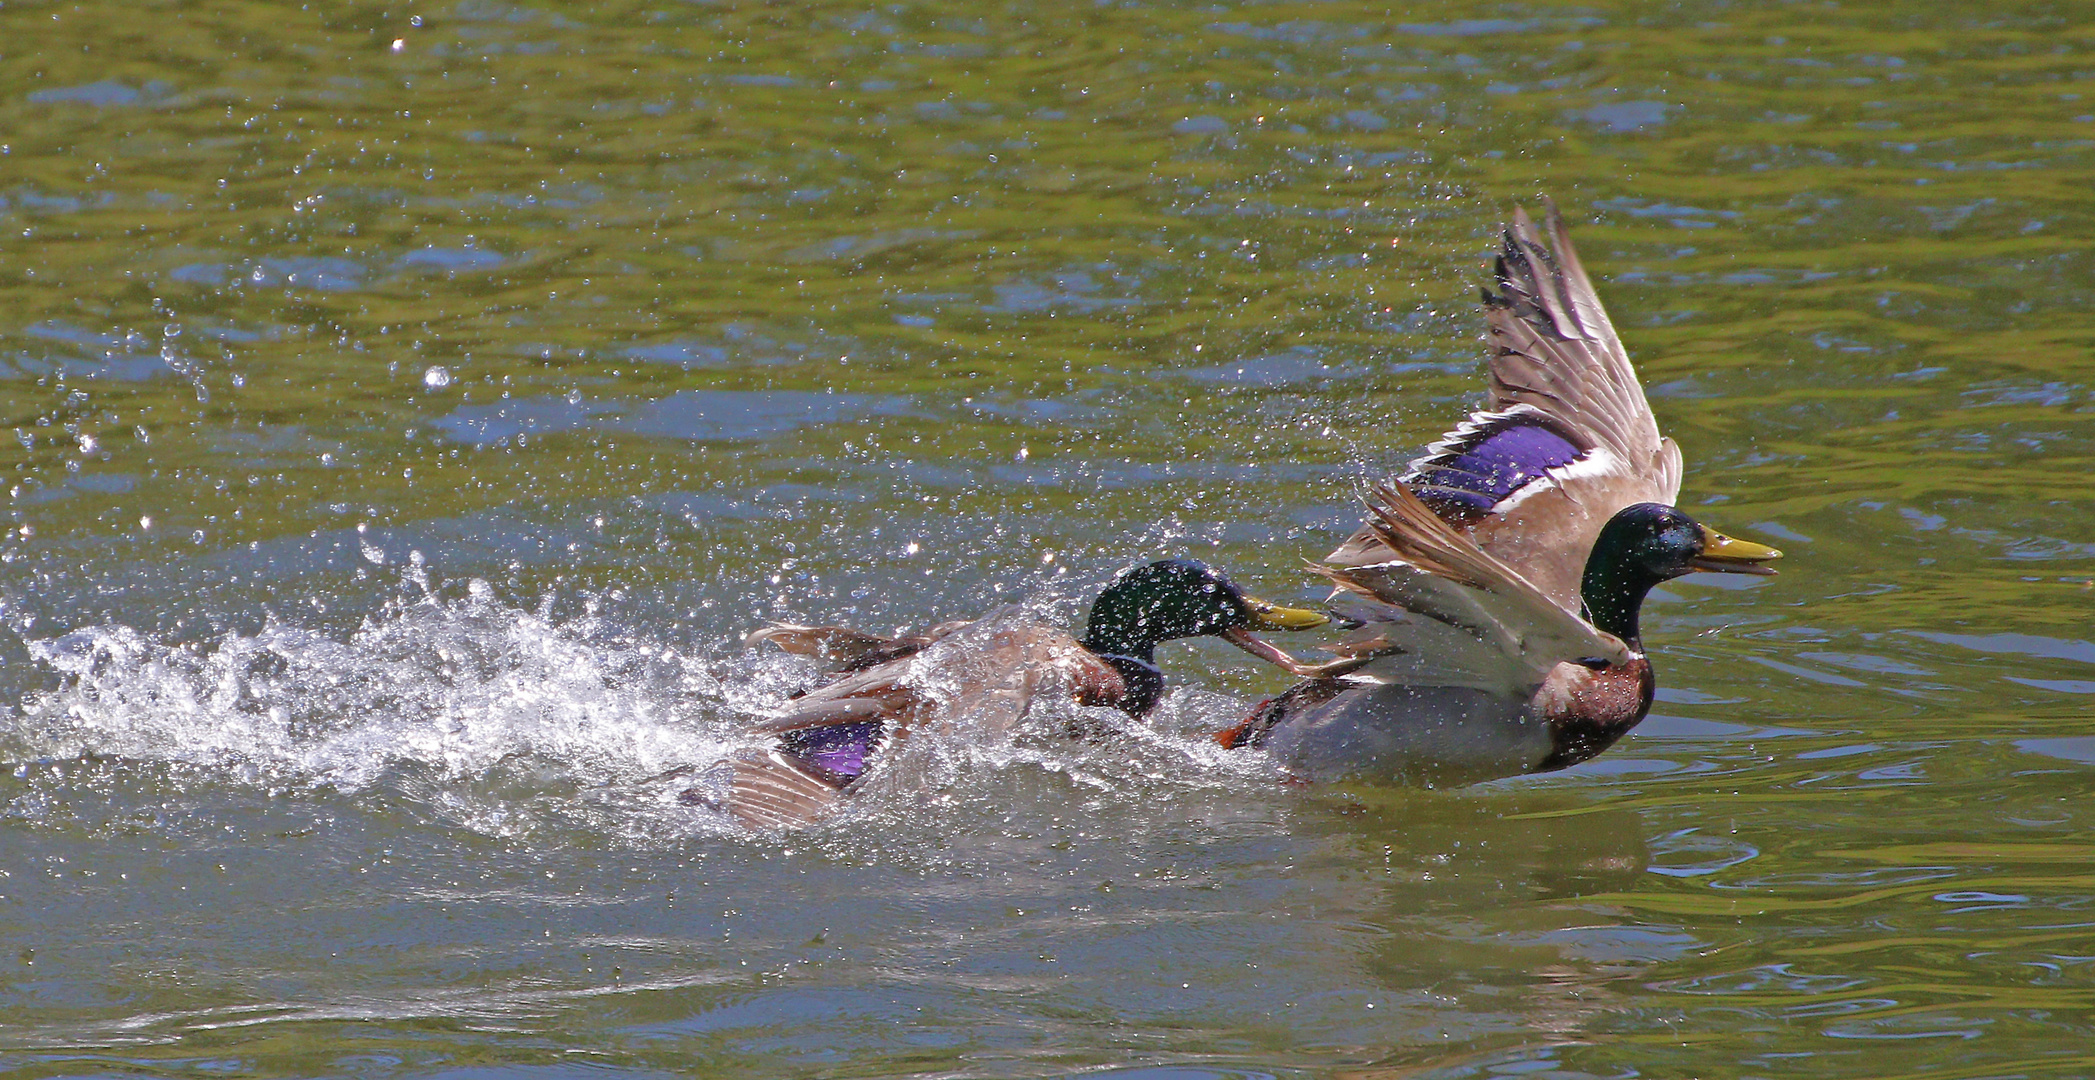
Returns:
(504, 722)
(457, 689)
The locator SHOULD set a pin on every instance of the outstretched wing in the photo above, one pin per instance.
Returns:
(1555, 351)
(1442, 611)
(1568, 438)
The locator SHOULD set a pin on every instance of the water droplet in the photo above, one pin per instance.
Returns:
(437, 377)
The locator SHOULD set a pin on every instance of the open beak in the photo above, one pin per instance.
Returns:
(1267, 616)
(1727, 556)
(1244, 640)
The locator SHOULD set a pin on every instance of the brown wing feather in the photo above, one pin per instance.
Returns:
(805, 713)
(1418, 536)
(1448, 610)
(1554, 348)
(847, 649)
(1555, 351)
(771, 791)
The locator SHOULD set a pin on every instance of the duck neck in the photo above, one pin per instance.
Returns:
(1131, 651)
(1143, 683)
(1613, 592)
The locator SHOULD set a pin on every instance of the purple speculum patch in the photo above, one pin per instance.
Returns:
(838, 749)
(1492, 464)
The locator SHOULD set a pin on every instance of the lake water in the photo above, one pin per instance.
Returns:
(411, 407)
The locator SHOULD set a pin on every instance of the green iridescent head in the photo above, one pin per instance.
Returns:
(1180, 598)
(1648, 543)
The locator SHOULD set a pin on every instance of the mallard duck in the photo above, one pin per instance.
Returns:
(986, 672)
(1496, 585)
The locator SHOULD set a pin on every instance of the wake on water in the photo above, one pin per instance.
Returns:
(504, 722)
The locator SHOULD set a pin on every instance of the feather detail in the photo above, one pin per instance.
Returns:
(769, 790)
(981, 677)
(1554, 348)
(1567, 437)
(874, 694)
(1442, 611)
(1494, 457)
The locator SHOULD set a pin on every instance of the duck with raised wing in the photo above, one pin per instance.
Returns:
(1495, 587)
(984, 674)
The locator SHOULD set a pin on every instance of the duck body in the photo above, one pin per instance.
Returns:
(1338, 729)
(1496, 585)
(976, 679)
(1460, 669)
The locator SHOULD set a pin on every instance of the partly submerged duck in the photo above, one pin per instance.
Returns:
(1496, 585)
(985, 673)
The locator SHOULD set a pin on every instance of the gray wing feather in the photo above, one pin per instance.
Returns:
(1555, 350)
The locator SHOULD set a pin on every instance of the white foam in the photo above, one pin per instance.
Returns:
(497, 720)
(454, 686)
